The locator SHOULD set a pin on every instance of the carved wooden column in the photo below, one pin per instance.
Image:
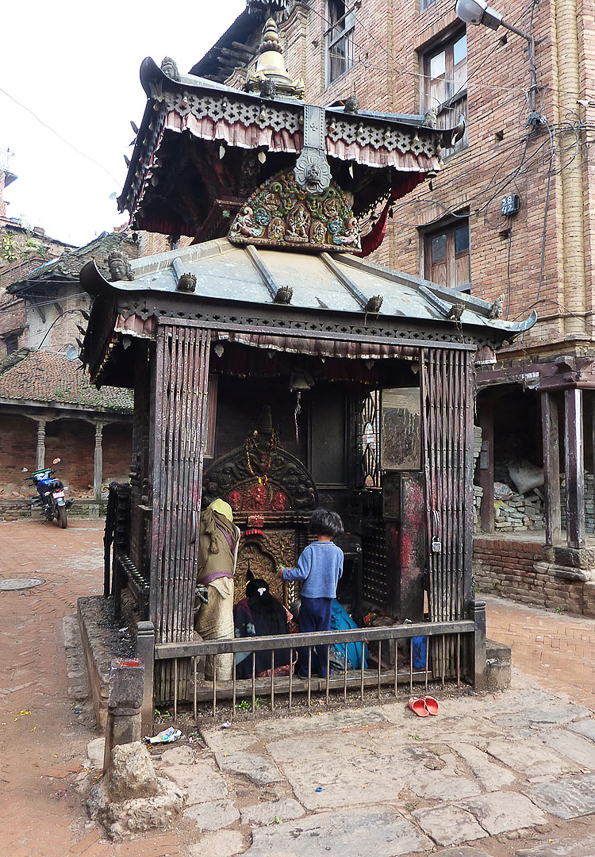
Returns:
(551, 468)
(486, 464)
(40, 456)
(575, 475)
(98, 461)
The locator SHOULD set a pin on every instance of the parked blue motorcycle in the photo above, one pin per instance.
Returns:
(50, 494)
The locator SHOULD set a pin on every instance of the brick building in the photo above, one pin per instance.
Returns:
(22, 249)
(509, 218)
(47, 406)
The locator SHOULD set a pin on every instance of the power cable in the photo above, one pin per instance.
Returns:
(59, 136)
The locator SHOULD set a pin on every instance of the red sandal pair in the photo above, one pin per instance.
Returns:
(423, 707)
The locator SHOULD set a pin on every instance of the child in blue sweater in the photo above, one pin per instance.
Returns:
(319, 568)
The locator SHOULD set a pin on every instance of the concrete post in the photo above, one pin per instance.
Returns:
(477, 614)
(40, 456)
(145, 649)
(124, 703)
(98, 462)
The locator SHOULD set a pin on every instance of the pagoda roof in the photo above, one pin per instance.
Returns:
(203, 147)
(241, 288)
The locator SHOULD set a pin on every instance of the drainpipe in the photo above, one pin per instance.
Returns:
(571, 176)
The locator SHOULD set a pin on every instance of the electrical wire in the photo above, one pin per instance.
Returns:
(59, 136)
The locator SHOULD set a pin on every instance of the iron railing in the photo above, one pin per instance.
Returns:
(450, 653)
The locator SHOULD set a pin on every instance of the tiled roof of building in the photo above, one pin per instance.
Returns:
(70, 263)
(44, 376)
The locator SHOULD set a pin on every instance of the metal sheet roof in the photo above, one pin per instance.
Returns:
(329, 284)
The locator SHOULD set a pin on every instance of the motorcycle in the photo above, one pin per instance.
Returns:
(50, 494)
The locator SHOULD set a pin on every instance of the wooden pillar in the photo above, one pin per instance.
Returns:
(40, 456)
(575, 474)
(180, 384)
(98, 461)
(551, 469)
(486, 464)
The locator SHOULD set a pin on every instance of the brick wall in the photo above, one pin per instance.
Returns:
(389, 41)
(18, 441)
(73, 441)
(508, 568)
(117, 451)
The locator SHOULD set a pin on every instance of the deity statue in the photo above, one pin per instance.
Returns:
(169, 67)
(297, 223)
(187, 283)
(119, 266)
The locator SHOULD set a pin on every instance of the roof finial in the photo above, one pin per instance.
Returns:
(270, 75)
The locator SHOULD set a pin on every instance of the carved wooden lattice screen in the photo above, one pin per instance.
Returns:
(180, 421)
(447, 415)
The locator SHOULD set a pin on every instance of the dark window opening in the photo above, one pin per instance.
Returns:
(340, 54)
(12, 343)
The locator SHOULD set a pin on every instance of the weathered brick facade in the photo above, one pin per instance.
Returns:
(502, 156)
(522, 571)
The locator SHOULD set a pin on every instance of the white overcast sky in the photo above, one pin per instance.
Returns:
(76, 67)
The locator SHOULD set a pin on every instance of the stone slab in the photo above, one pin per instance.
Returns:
(541, 715)
(529, 757)
(443, 782)
(218, 843)
(96, 752)
(258, 768)
(200, 783)
(570, 797)
(499, 812)
(367, 767)
(325, 722)
(492, 776)
(568, 848)
(449, 825)
(285, 809)
(463, 851)
(358, 832)
(182, 755)
(572, 746)
(584, 727)
(213, 816)
(237, 737)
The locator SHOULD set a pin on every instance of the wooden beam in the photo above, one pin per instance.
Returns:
(551, 469)
(346, 281)
(486, 463)
(575, 473)
(262, 269)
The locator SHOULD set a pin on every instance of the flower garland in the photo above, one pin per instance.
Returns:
(262, 480)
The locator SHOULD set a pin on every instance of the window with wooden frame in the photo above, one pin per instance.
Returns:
(444, 84)
(447, 257)
(340, 53)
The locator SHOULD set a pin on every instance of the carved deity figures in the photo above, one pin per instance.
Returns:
(280, 213)
(119, 266)
(245, 225)
(298, 221)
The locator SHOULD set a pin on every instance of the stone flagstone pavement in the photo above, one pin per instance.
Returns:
(506, 775)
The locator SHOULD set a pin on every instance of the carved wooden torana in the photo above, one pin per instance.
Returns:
(280, 213)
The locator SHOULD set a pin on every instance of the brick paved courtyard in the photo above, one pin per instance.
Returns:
(44, 731)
